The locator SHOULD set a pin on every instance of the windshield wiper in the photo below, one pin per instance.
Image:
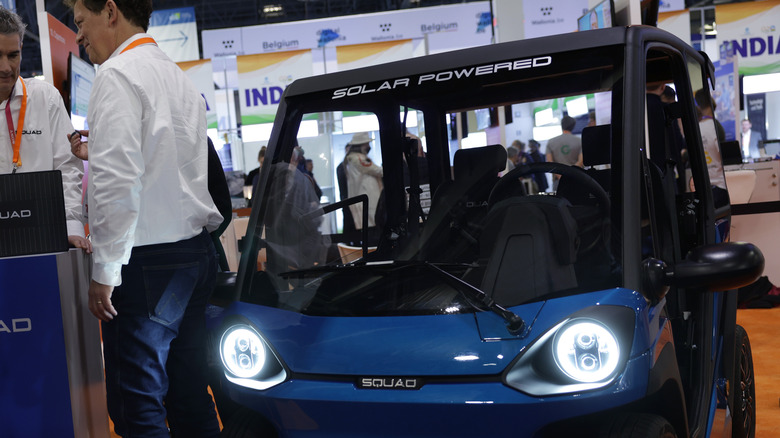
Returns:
(514, 323)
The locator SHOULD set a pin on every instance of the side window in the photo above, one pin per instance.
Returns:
(712, 134)
(665, 168)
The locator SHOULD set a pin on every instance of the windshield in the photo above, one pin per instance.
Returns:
(500, 176)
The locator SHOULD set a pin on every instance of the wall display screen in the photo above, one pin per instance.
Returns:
(600, 16)
(81, 74)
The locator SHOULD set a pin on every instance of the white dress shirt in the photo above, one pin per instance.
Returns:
(746, 144)
(148, 177)
(45, 145)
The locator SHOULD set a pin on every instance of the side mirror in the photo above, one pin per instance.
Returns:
(715, 267)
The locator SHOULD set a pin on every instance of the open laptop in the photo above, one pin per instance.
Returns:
(32, 214)
(771, 147)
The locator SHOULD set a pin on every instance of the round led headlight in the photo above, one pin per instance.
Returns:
(243, 352)
(586, 351)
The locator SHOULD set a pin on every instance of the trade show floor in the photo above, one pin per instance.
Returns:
(762, 326)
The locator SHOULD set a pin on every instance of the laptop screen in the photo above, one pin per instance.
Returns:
(731, 152)
(771, 147)
(32, 214)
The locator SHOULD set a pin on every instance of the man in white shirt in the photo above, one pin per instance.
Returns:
(42, 142)
(750, 141)
(149, 214)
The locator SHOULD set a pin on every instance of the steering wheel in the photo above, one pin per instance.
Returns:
(507, 187)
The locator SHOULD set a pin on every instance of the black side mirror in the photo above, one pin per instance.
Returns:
(715, 267)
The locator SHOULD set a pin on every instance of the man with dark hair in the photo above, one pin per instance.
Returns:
(38, 127)
(565, 148)
(150, 217)
(668, 95)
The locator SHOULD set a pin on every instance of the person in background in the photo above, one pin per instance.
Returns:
(253, 175)
(565, 148)
(302, 167)
(522, 155)
(750, 140)
(154, 264)
(363, 176)
(535, 156)
(309, 170)
(668, 95)
(591, 118)
(707, 107)
(511, 158)
(711, 138)
(44, 113)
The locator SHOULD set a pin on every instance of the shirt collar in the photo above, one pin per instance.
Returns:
(17, 92)
(127, 42)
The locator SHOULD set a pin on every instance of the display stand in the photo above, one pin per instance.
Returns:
(51, 372)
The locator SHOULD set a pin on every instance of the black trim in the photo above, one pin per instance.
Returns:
(755, 208)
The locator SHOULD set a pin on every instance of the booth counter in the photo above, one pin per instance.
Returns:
(754, 189)
(51, 371)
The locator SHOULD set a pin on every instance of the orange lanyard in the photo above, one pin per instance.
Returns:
(16, 140)
(137, 43)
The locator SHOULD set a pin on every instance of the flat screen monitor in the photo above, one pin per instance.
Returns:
(599, 17)
(771, 147)
(649, 11)
(81, 74)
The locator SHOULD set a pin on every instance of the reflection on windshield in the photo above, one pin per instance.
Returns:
(418, 195)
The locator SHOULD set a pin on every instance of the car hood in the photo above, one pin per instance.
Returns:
(461, 344)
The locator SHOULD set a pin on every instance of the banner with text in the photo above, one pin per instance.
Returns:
(176, 33)
(751, 28)
(262, 79)
(472, 19)
(551, 18)
(364, 55)
(202, 75)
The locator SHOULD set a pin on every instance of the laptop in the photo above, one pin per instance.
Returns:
(771, 147)
(731, 152)
(32, 214)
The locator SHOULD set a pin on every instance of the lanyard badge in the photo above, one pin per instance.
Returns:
(16, 136)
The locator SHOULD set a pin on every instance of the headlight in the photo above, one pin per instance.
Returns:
(586, 351)
(248, 360)
(243, 352)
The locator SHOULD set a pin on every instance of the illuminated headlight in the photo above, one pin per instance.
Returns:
(247, 359)
(586, 351)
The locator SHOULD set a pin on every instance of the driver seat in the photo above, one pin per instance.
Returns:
(529, 246)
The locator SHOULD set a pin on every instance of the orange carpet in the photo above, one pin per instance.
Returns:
(763, 328)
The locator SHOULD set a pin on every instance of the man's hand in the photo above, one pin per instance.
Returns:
(80, 242)
(100, 301)
(78, 147)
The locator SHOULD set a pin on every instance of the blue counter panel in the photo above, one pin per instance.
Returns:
(34, 389)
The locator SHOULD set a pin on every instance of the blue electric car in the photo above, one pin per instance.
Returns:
(463, 298)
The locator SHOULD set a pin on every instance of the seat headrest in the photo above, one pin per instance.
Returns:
(596, 145)
(477, 163)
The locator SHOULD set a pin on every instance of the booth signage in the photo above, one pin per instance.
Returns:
(35, 396)
(472, 19)
(752, 28)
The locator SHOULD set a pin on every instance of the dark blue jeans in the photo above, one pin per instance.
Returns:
(155, 348)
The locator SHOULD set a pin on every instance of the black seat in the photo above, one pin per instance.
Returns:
(529, 245)
(458, 206)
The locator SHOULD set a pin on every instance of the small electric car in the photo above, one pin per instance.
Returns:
(462, 298)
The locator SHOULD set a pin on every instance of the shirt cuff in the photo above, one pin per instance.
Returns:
(75, 228)
(109, 274)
